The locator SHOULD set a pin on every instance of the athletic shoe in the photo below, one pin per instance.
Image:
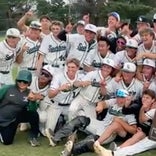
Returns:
(113, 146)
(101, 151)
(24, 127)
(50, 135)
(34, 142)
(69, 145)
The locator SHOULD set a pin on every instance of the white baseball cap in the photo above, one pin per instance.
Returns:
(13, 32)
(81, 22)
(108, 62)
(154, 16)
(91, 27)
(149, 62)
(49, 69)
(35, 25)
(132, 43)
(129, 67)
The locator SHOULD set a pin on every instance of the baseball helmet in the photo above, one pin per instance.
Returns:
(24, 75)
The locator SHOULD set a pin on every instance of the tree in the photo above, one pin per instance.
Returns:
(56, 9)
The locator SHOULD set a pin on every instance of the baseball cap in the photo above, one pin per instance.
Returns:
(129, 67)
(132, 43)
(142, 19)
(91, 27)
(108, 62)
(122, 93)
(154, 17)
(13, 32)
(49, 69)
(35, 25)
(115, 14)
(81, 22)
(149, 62)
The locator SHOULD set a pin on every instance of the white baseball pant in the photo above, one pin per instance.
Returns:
(81, 106)
(141, 146)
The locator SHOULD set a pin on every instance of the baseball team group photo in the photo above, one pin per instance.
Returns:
(77, 77)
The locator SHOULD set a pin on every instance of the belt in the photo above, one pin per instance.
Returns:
(32, 69)
(53, 65)
(61, 104)
(4, 72)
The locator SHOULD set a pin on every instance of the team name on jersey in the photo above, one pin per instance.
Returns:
(9, 57)
(56, 48)
(81, 47)
(33, 50)
(115, 112)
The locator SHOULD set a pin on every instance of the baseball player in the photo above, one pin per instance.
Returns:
(81, 46)
(148, 74)
(107, 128)
(147, 48)
(127, 82)
(8, 52)
(145, 120)
(44, 20)
(52, 50)
(102, 53)
(126, 55)
(30, 45)
(39, 87)
(62, 92)
(142, 23)
(93, 86)
(139, 147)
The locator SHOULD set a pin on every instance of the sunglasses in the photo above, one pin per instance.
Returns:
(22, 81)
(45, 74)
(121, 42)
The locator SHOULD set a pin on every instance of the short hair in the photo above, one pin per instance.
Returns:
(103, 38)
(148, 31)
(59, 23)
(130, 26)
(73, 60)
(45, 17)
(149, 92)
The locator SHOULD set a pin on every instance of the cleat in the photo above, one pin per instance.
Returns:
(50, 135)
(101, 151)
(34, 142)
(69, 145)
(68, 149)
(113, 146)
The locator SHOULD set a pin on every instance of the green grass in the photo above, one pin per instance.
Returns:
(1, 38)
(21, 147)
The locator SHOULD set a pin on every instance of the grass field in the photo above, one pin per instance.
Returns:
(21, 147)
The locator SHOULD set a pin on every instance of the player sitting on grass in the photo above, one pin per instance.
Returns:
(140, 141)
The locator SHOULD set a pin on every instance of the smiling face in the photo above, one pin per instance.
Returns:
(106, 70)
(112, 22)
(22, 85)
(147, 101)
(12, 41)
(89, 35)
(103, 47)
